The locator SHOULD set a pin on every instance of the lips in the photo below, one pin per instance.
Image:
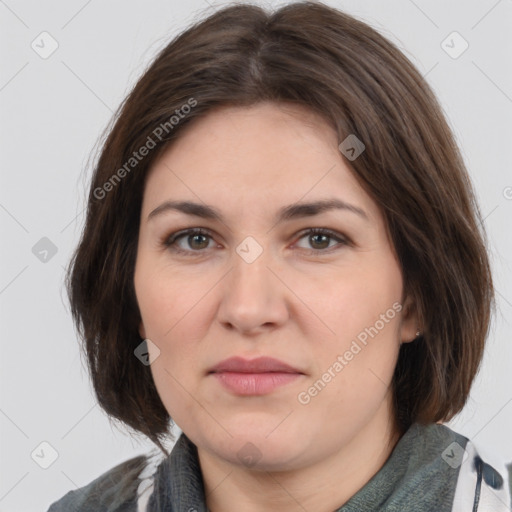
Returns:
(260, 376)
(258, 365)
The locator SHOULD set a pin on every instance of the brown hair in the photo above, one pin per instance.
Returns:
(308, 54)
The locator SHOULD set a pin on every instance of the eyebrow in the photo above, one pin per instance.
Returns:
(293, 211)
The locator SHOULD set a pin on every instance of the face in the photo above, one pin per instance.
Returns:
(255, 282)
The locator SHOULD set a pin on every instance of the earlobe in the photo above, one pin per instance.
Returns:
(142, 330)
(410, 329)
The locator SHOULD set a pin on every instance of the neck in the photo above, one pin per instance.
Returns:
(323, 486)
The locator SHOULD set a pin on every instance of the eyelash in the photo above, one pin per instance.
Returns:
(170, 241)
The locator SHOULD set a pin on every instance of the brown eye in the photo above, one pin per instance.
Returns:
(197, 239)
(189, 241)
(320, 239)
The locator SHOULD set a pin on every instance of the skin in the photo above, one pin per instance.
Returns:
(304, 300)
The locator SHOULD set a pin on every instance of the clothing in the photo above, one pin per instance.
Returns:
(431, 469)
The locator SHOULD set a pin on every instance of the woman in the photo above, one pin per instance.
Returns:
(282, 256)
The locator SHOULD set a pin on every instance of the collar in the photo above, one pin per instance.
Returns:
(420, 474)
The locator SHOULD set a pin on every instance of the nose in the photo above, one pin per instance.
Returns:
(254, 299)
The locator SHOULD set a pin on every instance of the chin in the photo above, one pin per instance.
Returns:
(251, 456)
(254, 448)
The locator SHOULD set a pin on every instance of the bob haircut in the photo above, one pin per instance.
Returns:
(315, 56)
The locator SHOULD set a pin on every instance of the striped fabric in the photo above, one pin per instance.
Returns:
(480, 486)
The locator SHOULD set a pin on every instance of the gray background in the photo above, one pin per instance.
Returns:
(52, 113)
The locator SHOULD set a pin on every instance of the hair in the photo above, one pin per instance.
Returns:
(311, 55)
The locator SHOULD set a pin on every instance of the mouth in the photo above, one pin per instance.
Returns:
(257, 365)
(258, 376)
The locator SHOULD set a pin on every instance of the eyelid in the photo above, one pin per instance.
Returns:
(325, 231)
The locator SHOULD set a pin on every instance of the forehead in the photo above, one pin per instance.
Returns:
(255, 157)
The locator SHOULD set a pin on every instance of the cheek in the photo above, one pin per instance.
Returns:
(167, 298)
(175, 321)
(355, 370)
(176, 312)
(166, 306)
(358, 299)
(364, 312)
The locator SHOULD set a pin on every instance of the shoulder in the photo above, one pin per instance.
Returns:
(484, 482)
(120, 489)
(446, 469)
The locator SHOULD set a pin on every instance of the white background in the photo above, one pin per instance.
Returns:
(52, 112)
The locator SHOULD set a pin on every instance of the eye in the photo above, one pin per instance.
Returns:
(321, 238)
(195, 241)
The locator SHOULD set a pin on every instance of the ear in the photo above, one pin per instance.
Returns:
(409, 325)
(142, 330)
